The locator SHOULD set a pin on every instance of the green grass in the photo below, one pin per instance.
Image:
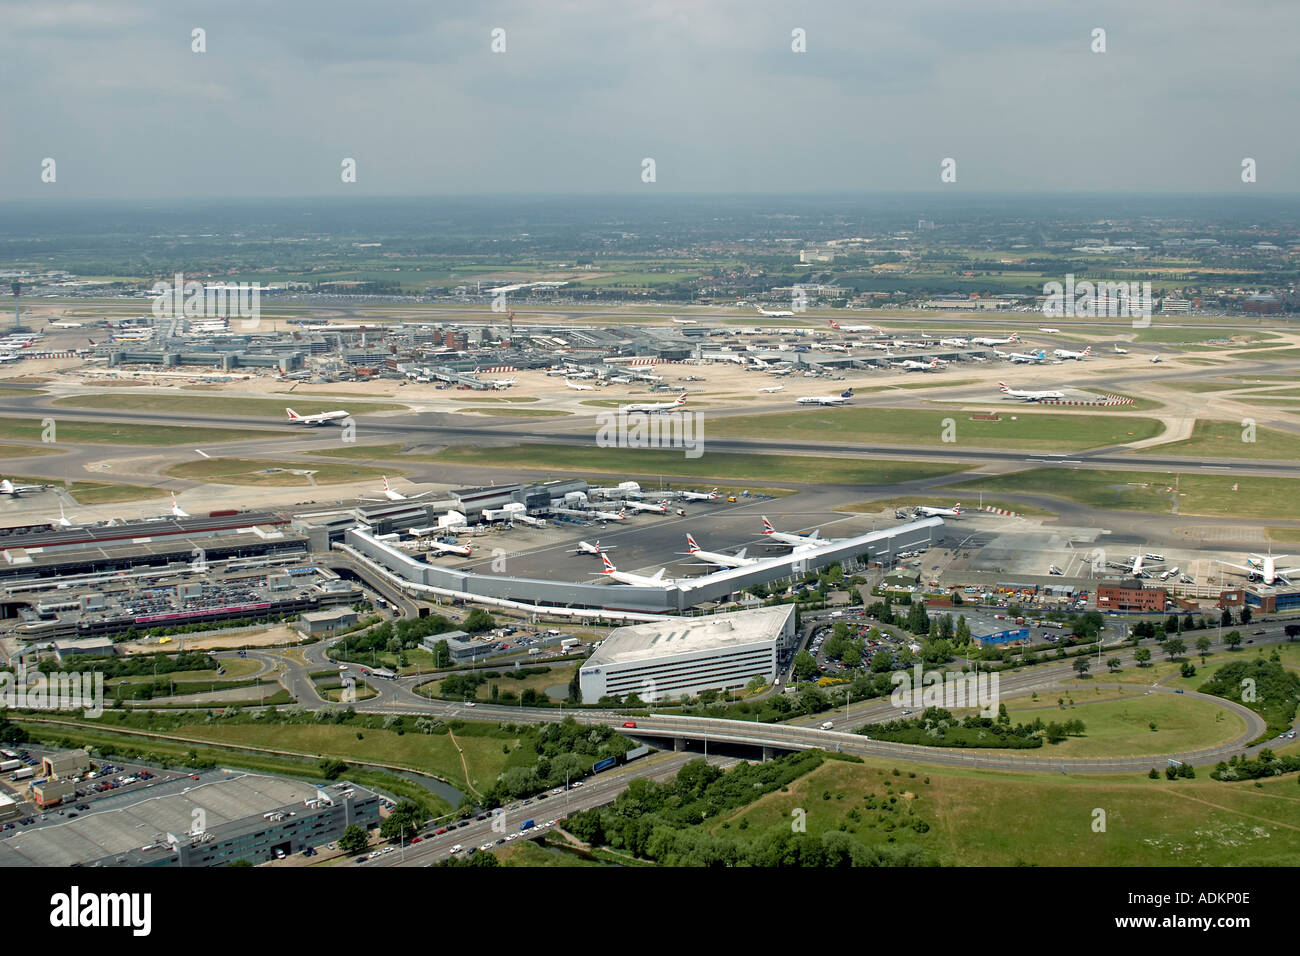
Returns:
(30, 451)
(94, 492)
(253, 471)
(515, 412)
(937, 501)
(716, 466)
(227, 404)
(1152, 492)
(1219, 439)
(1014, 429)
(528, 853)
(11, 392)
(502, 398)
(96, 433)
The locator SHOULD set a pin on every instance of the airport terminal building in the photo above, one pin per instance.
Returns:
(680, 658)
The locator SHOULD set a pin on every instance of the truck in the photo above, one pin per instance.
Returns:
(10, 765)
(26, 773)
(527, 825)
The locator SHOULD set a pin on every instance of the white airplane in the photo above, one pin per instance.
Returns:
(685, 321)
(1156, 359)
(501, 383)
(638, 580)
(1136, 565)
(772, 388)
(649, 408)
(911, 365)
(7, 487)
(65, 325)
(1049, 331)
(955, 343)
(1025, 395)
(64, 520)
(1264, 568)
(789, 537)
(321, 418)
(391, 495)
(176, 509)
(779, 314)
(1012, 339)
(584, 548)
(1120, 351)
(953, 512)
(620, 515)
(1021, 357)
(839, 399)
(1067, 354)
(852, 328)
(578, 387)
(701, 495)
(737, 560)
(460, 550)
(660, 508)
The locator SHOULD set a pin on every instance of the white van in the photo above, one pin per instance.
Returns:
(827, 725)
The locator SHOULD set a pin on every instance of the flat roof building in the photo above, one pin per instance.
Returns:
(65, 763)
(1130, 599)
(681, 657)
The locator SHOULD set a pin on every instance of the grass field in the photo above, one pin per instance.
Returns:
(93, 492)
(96, 433)
(717, 466)
(1014, 429)
(1005, 819)
(502, 398)
(515, 412)
(12, 392)
(236, 668)
(1153, 492)
(529, 853)
(225, 403)
(1219, 439)
(252, 471)
(890, 504)
(8, 452)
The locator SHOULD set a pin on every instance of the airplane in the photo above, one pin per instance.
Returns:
(391, 495)
(176, 509)
(839, 399)
(321, 418)
(737, 560)
(501, 383)
(7, 487)
(789, 537)
(65, 325)
(1136, 565)
(1020, 357)
(579, 388)
(701, 495)
(1067, 354)
(1156, 359)
(953, 512)
(685, 321)
(852, 328)
(779, 314)
(649, 408)
(460, 550)
(1012, 339)
(638, 580)
(1120, 351)
(772, 388)
(64, 520)
(1264, 567)
(913, 366)
(1049, 331)
(621, 515)
(660, 508)
(1025, 395)
(1053, 569)
(584, 548)
(955, 343)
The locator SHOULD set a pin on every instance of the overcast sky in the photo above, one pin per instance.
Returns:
(710, 89)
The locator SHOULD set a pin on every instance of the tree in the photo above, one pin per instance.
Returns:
(441, 654)
(354, 840)
(1203, 645)
(1245, 614)
(1113, 664)
(402, 823)
(331, 768)
(1175, 646)
(1232, 639)
(805, 666)
(962, 633)
(478, 620)
(1142, 655)
(1226, 618)
(1081, 664)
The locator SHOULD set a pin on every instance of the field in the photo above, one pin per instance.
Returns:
(1019, 429)
(1153, 492)
(1218, 439)
(501, 398)
(515, 412)
(224, 403)
(890, 504)
(96, 433)
(1007, 819)
(251, 471)
(95, 492)
(30, 451)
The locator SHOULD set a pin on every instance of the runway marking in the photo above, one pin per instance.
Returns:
(203, 453)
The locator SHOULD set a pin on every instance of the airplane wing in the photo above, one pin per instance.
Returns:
(1242, 567)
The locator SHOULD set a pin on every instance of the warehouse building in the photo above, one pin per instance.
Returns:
(1131, 599)
(680, 658)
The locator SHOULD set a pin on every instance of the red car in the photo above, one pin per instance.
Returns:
(630, 723)
(418, 840)
(442, 831)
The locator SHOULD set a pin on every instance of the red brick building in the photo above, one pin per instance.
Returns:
(1131, 599)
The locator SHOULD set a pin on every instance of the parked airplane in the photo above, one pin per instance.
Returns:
(620, 515)
(852, 328)
(500, 383)
(1027, 396)
(7, 487)
(1136, 565)
(584, 548)
(953, 512)
(701, 495)
(839, 399)
(955, 343)
(659, 508)
(649, 408)
(772, 388)
(441, 547)
(391, 495)
(737, 560)
(65, 325)
(1021, 357)
(176, 509)
(321, 418)
(64, 520)
(637, 580)
(911, 365)
(1012, 339)
(1264, 568)
(1120, 351)
(577, 387)
(1067, 354)
(789, 537)
(779, 314)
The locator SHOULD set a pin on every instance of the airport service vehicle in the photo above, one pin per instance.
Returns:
(839, 399)
(789, 537)
(1067, 354)
(1012, 339)
(650, 408)
(953, 512)
(737, 560)
(320, 418)
(1026, 395)
(636, 580)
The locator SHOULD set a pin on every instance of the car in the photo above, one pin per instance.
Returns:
(442, 831)
(309, 852)
(457, 848)
(558, 790)
(1260, 631)
(415, 840)
(500, 841)
(463, 823)
(486, 846)
(1291, 735)
(1178, 691)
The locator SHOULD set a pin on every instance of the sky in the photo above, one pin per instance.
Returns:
(586, 90)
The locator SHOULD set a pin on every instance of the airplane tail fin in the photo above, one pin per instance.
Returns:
(609, 565)
(1042, 354)
(741, 552)
(1088, 350)
(767, 526)
(292, 414)
(691, 546)
(1015, 336)
(1003, 387)
(658, 575)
